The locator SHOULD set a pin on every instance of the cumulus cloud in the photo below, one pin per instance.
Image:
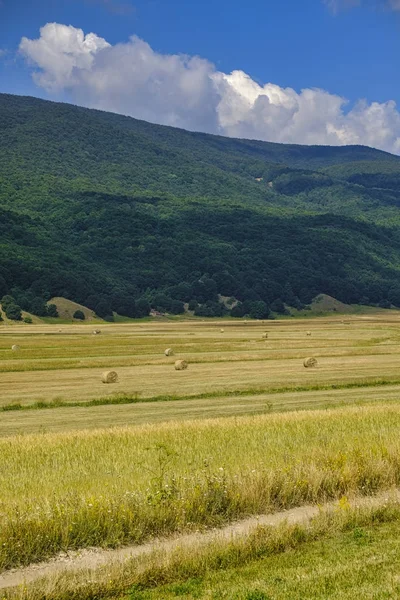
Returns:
(62, 53)
(132, 79)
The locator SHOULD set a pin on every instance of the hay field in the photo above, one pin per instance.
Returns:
(66, 362)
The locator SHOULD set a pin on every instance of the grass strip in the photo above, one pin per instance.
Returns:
(256, 391)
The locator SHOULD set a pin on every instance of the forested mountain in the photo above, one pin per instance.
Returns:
(119, 214)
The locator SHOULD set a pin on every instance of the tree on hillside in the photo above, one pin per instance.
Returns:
(103, 308)
(259, 310)
(394, 295)
(38, 307)
(142, 308)
(13, 312)
(278, 306)
(238, 311)
(3, 286)
(7, 300)
(52, 310)
(125, 305)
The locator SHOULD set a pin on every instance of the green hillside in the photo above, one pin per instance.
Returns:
(120, 215)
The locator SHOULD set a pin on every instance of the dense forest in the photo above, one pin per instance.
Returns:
(122, 215)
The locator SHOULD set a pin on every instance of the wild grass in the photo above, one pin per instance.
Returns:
(343, 553)
(112, 487)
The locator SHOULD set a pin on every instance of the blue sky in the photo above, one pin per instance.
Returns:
(352, 53)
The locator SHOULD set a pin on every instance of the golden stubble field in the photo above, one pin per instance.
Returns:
(233, 372)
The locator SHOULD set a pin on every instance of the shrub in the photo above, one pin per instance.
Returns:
(78, 314)
(27, 319)
(13, 312)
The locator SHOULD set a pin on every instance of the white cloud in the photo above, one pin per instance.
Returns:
(132, 79)
(62, 53)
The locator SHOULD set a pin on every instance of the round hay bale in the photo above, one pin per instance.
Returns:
(265, 336)
(222, 330)
(310, 362)
(308, 332)
(109, 377)
(96, 331)
(15, 348)
(181, 365)
(169, 352)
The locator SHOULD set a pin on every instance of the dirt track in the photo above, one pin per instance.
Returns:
(93, 558)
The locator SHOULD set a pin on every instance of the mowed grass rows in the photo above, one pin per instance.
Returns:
(51, 365)
(112, 487)
(81, 417)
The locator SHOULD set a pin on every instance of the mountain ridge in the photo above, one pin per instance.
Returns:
(108, 210)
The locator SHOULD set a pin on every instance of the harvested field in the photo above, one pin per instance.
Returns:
(67, 366)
